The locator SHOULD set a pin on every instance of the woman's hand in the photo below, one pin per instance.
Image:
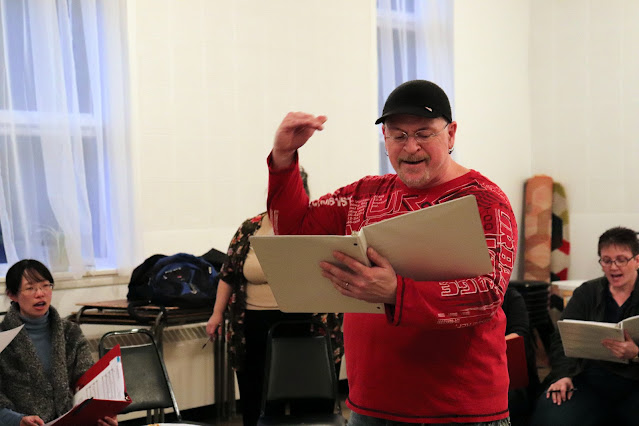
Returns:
(108, 421)
(31, 421)
(213, 326)
(561, 390)
(627, 349)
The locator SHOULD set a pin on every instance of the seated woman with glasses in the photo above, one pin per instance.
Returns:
(39, 368)
(590, 392)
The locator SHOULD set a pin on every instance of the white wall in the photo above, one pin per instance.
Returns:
(548, 87)
(585, 103)
(492, 94)
(211, 82)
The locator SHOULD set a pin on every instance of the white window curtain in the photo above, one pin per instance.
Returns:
(65, 173)
(414, 41)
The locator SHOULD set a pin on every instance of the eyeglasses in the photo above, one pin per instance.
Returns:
(32, 289)
(421, 136)
(620, 261)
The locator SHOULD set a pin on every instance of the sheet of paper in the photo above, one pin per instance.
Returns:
(108, 384)
(7, 336)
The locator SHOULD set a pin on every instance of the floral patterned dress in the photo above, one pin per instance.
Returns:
(232, 273)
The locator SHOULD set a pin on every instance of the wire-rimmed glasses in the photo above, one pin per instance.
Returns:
(32, 288)
(420, 136)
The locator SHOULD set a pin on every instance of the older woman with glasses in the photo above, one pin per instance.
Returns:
(39, 368)
(590, 392)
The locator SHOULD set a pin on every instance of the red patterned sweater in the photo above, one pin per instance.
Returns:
(439, 353)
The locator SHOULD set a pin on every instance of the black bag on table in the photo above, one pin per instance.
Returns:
(182, 280)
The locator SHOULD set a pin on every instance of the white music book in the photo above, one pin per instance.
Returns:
(582, 339)
(441, 242)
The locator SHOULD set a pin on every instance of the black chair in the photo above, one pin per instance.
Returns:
(536, 296)
(147, 381)
(300, 382)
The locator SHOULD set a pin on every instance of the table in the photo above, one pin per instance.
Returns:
(564, 288)
(158, 318)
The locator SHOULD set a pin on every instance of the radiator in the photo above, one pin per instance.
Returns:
(190, 367)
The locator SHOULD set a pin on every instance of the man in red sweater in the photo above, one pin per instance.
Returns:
(438, 356)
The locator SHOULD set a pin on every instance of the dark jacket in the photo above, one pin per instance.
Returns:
(24, 387)
(588, 303)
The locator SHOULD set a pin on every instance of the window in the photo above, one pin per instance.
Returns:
(414, 41)
(63, 133)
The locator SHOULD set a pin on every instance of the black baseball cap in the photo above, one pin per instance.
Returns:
(417, 97)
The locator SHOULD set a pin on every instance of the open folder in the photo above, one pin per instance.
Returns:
(442, 242)
(582, 339)
(100, 392)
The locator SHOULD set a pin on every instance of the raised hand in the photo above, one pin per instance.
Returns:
(294, 131)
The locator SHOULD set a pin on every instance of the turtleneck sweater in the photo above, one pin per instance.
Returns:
(38, 331)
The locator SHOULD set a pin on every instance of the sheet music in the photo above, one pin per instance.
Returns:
(108, 384)
(582, 339)
(7, 336)
(100, 392)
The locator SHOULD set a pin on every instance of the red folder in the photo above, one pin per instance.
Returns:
(89, 411)
(517, 366)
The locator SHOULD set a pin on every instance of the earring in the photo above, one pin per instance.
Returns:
(387, 153)
(450, 151)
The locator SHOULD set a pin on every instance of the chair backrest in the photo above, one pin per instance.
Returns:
(147, 381)
(535, 294)
(517, 362)
(299, 367)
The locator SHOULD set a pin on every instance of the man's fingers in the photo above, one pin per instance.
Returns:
(300, 120)
(378, 259)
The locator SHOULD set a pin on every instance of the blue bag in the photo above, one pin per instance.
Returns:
(180, 280)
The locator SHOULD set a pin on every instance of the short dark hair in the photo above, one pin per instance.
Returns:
(619, 236)
(31, 269)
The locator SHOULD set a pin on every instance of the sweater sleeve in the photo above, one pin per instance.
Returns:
(292, 214)
(10, 417)
(464, 302)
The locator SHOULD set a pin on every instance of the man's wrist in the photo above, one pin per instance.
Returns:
(281, 160)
